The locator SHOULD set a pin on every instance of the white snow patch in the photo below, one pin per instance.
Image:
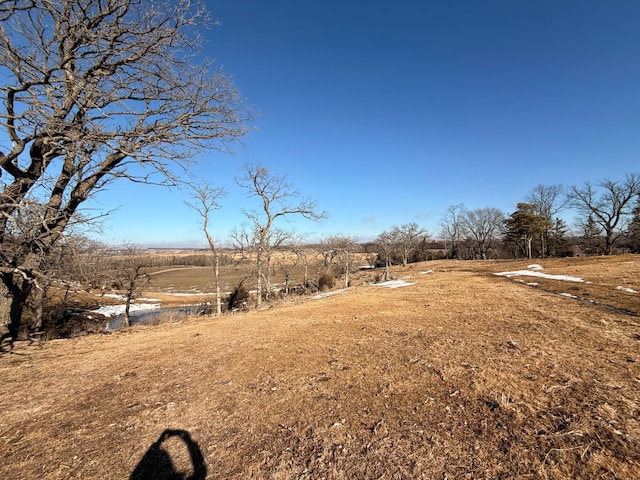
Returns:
(198, 294)
(627, 289)
(535, 266)
(394, 284)
(328, 294)
(113, 310)
(567, 295)
(113, 295)
(426, 272)
(530, 273)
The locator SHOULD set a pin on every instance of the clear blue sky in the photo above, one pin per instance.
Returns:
(388, 112)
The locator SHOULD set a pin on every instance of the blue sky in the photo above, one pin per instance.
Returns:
(388, 112)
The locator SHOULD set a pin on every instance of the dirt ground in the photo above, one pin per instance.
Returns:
(463, 374)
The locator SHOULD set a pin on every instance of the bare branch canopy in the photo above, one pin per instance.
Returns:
(96, 90)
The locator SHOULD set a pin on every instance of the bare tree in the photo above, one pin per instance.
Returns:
(387, 245)
(451, 228)
(370, 253)
(205, 200)
(480, 227)
(342, 247)
(548, 201)
(292, 254)
(278, 200)
(302, 254)
(408, 237)
(608, 203)
(95, 91)
(133, 278)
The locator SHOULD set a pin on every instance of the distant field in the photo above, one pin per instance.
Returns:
(200, 279)
(457, 373)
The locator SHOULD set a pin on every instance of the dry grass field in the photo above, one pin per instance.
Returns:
(200, 279)
(461, 374)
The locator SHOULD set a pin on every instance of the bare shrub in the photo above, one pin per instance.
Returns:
(238, 298)
(326, 281)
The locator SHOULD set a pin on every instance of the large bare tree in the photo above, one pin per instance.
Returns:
(409, 236)
(480, 227)
(608, 203)
(97, 90)
(451, 228)
(278, 200)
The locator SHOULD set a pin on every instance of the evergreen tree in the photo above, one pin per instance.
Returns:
(524, 225)
(633, 233)
(592, 237)
(558, 244)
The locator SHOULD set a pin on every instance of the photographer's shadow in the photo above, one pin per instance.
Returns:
(165, 458)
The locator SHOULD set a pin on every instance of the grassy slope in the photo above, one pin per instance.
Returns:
(463, 375)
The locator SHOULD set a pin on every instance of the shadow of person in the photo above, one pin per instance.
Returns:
(158, 464)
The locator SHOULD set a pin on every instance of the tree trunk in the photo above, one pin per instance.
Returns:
(259, 279)
(8, 324)
(129, 297)
(126, 320)
(346, 270)
(608, 243)
(217, 280)
(14, 291)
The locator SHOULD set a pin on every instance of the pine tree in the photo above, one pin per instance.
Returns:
(633, 233)
(558, 245)
(592, 238)
(524, 225)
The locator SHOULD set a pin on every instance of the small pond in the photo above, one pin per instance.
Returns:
(146, 317)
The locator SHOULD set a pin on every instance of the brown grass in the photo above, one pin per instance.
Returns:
(462, 375)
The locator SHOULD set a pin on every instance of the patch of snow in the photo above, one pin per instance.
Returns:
(199, 294)
(533, 284)
(567, 295)
(394, 284)
(426, 272)
(535, 266)
(113, 295)
(328, 294)
(627, 289)
(113, 310)
(530, 273)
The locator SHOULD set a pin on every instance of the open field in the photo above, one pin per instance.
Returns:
(200, 279)
(458, 374)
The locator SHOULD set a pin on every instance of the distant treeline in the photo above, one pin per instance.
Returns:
(157, 260)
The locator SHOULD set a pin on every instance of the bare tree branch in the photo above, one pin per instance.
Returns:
(95, 91)
(279, 199)
(608, 203)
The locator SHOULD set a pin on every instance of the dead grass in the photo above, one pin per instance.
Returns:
(462, 375)
(184, 279)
